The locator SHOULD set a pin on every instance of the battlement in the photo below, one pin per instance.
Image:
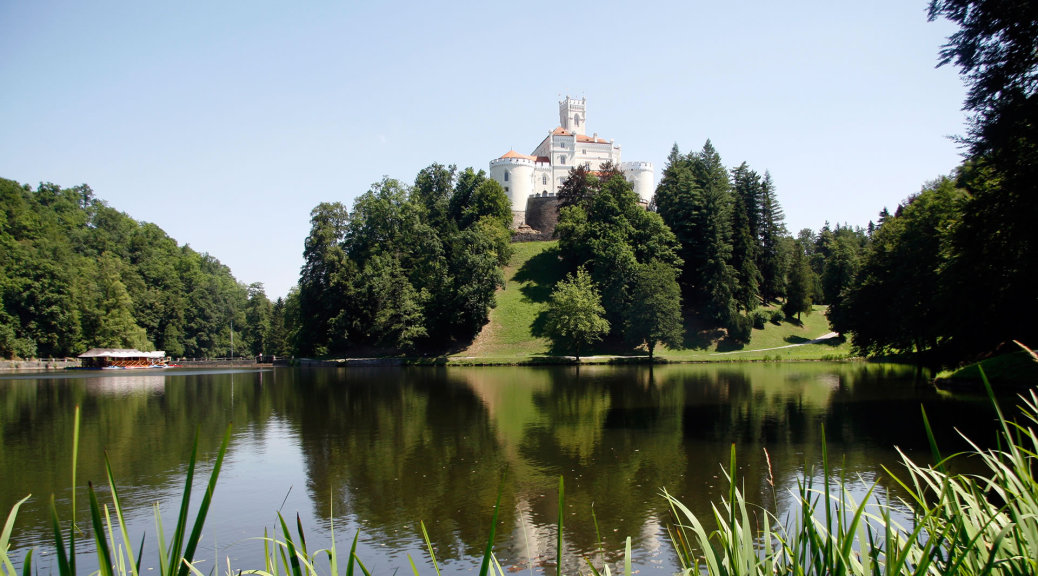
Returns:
(567, 101)
(636, 166)
(512, 162)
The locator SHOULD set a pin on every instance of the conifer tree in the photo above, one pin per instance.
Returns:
(800, 285)
(772, 229)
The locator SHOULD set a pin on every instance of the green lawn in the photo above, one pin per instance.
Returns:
(1013, 369)
(772, 343)
(510, 334)
(514, 331)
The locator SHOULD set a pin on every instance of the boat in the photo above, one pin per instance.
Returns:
(122, 359)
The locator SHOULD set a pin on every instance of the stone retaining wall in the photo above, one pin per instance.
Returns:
(38, 364)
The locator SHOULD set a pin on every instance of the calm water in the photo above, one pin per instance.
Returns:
(377, 450)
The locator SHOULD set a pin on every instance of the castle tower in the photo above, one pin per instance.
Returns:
(514, 172)
(642, 179)
(573, 115)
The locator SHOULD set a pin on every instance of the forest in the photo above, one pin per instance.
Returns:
(76, 273)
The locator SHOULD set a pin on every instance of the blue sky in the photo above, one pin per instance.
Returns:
(225, 123)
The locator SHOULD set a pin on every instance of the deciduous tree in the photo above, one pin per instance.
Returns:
(576, 318)
(655, 313)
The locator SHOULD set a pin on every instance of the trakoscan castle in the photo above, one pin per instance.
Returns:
(532, 182)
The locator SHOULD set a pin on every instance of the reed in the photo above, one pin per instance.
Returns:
(961, 524)
(115, 554)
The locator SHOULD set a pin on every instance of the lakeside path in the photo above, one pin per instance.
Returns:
(821, 338)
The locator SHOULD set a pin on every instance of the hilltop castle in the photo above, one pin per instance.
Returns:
(532, 181)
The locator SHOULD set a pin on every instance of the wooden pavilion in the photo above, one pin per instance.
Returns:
(121, 358)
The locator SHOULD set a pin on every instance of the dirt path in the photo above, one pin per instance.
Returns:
(821, 338)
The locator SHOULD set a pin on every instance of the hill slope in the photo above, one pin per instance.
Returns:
(514, 334)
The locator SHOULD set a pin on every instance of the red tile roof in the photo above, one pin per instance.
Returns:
(514, 154)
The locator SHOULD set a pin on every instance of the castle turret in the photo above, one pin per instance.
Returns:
(642, 178)
(573, 115)
(514, 172)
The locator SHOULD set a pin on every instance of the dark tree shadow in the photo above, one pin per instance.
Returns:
(793, 339)
(540, 274)
(699, 334)
(730, 345)
(537, 327)
(834, 341)
(542, 271)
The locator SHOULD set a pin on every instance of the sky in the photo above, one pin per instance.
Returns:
(226, 123)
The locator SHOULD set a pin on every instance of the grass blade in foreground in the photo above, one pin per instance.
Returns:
(207, 499)
(5, 541)
(484, 568)
(558, 544)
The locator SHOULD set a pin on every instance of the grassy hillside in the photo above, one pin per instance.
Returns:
(1013, 369)
(510, 334)
(514, 333)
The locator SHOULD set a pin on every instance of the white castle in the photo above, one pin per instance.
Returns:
(542, 173)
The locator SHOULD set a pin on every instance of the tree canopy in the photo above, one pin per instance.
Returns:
(576, 318)
(76, 273)
(410, 267)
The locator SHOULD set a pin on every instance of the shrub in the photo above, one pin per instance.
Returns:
(777, 317)
(740, 328)
(759, 318)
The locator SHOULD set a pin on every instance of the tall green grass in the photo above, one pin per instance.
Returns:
(114, 548)
(961, 524)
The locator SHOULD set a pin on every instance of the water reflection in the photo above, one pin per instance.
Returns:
(380, 449)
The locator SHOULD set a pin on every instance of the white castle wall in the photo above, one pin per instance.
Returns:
(516, 176)
(642, 178)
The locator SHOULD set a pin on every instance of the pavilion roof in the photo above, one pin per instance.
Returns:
(121, 353)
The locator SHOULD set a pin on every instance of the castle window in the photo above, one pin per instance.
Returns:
(562, 158)
(544, 179)
(506, 175)
(506, 189)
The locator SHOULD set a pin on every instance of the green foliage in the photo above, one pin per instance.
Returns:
(655, 314)
(611, 235)
(772, 229)
(759, 318)
(576, 318)
(76, 273)
(740, 327)
(995, 242)
(258, 320)
(410, 267)
(901, 300)
(799, 291)
(837, 259)
(728, 229)
(324, 280)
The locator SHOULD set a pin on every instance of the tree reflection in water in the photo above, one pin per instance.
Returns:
(384, 448)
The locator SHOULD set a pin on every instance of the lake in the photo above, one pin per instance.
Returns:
(380, 449)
